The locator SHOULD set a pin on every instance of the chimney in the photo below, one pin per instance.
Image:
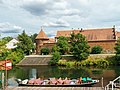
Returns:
(41, 28)
(81, 30)
(114, 35)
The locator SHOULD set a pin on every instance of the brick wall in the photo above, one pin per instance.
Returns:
(107, 45)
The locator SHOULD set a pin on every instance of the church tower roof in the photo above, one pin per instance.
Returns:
(42, 35)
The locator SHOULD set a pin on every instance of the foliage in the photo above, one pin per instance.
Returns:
(33, 37)
(25, 43)
(98, 62)
(62, 45)
(2, 46)
(55, 58)
(96, 50)
(16, 56)
(80, 47)
(117, 48)
(45, 51)
(66, 63)
(7, 39)
(55, 48)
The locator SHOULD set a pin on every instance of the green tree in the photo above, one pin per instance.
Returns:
(96, 50)
(55, 58)
(7, 39)
(117, 48)
(33, 37)
(3, 50)
(55, 48)
(16, 56)
(79, 46)
(45, 51)
(62, 44)
(25, 43)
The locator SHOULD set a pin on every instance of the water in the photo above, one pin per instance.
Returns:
(46, 72)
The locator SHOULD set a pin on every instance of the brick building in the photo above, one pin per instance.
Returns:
(104, 37)
(42, 40)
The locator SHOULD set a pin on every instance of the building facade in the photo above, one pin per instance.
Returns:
(104, 37)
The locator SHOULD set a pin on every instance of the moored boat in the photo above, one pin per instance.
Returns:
(53, 82)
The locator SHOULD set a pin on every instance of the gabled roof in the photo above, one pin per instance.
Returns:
(91, 34)
(41, 35)
(12, 44)
(51, 40)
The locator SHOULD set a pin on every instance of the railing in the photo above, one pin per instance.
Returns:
(112, 84)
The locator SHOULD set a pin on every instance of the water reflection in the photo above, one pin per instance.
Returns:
(33, 73)
(45, 72)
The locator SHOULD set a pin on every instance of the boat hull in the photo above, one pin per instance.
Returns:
(65, 85)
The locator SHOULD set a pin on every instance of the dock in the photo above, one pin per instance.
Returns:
(54, 88)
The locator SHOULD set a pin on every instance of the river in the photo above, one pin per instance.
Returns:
(46, 72)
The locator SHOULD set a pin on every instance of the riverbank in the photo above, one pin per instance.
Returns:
(44, 60)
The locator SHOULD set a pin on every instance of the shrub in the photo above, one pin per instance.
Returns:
(100, 62)
(45, 51)
(96, 50)
(55, 58)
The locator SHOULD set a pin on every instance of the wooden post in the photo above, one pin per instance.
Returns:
(102, 82)
(5, 74)
(3, 85)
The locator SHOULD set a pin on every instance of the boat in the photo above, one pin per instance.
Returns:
(53, 82)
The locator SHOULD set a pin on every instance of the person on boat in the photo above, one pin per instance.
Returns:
(79, 81)
(52, 81)
(38, 81)
(66, 81)
(31, 81)
(60, 81)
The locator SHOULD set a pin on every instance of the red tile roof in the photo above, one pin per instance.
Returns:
(51, 40)
(118, 34)
(91, 34)
(41, 35)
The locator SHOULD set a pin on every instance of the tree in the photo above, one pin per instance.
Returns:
(62, 45)
(117, 48)
(55, 58)
(55, 48)
(7, 39)
(45, 51)
(33, 37)
(96, 50)
(25, 43)
(16, 56)
(79, 46)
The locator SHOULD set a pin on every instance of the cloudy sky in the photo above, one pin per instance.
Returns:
(53, 15)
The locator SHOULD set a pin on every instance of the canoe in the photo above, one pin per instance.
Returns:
(46, 84)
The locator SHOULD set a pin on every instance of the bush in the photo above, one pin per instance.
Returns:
(96, 50)
(55, 58)
(99, 62)
(66, 63)
(45, 51)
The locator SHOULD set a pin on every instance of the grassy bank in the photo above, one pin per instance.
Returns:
(91, 61)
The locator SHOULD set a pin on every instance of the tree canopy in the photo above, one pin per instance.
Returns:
(96, 49)
(25, 43)
(79, 46)
(63, 45)
(117, 48)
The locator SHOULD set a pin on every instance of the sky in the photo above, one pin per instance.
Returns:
(54, 15)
